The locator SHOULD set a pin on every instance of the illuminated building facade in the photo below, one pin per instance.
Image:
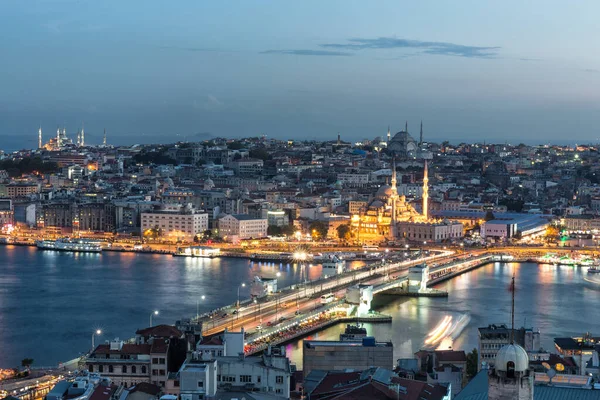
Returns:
(378, 219)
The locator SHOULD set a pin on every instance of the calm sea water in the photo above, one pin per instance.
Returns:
(51, 302)
(559, 301)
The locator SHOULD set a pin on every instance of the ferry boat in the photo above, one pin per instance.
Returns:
(198, 251)
(332, 266)
(593, 270)
(353, 333)
(68, 244)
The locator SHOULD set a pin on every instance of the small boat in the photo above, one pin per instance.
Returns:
(593, 270)
(198, 251)
(353, 333)
(332, 266)
(68, 244)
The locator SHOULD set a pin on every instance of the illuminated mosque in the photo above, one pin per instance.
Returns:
(388, 216)
(379, 218)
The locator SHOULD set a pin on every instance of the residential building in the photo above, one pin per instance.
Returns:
(240, 226)
(339, 355)
(493, 337)
(183, 222)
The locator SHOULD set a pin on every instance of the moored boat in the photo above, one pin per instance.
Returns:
(198, 251)
(68, 244)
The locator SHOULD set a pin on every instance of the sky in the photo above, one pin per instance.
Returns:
(156, 71)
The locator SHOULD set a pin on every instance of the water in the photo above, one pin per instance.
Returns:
(560, 301)
(50, 303)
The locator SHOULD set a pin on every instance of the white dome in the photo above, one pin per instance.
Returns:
(514, 353)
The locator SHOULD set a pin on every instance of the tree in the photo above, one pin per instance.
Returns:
(288, 230)
(273, 230)
(235, 145)
(344, 232)
(472, 361)
(26, 362)
(260, 153)
(318, 230)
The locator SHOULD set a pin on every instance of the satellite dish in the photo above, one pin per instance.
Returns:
(560, 367)
(551, 374)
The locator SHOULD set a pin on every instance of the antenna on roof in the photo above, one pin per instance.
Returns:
(512, 313)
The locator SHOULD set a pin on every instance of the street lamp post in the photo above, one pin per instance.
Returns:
(151, 315)
(96, 332)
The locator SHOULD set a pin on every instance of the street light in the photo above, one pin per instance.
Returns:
(96, 332)
(155, 312)
(238, 293)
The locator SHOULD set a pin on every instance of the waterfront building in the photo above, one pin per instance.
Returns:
(339, 355)
(278, 218)
(97, 217)
(247, 167)
(6, 212)
(58, 215)
(125, 364)
(183, 222)
(197, 378)
(506, 226)
(430, 231)
(240, 226)
(228, 344)
(493, 337)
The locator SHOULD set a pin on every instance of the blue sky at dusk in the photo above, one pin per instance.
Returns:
(151, 71)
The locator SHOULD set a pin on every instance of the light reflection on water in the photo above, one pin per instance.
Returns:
(560, 301)
(51, 302)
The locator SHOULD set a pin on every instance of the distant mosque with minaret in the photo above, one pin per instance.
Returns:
(61, 141)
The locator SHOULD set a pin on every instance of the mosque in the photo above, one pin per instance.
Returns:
(388, 216)
(403, 145)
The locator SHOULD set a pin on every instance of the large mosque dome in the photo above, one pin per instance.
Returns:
(384, 191)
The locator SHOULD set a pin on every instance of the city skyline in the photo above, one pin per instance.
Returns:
(484, 72)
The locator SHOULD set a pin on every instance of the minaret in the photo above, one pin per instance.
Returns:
(57, 138)
(406, 126)
(82, 141)
(425, 192)
(40, 138)
(104, 139)
(421, 135)
(389, 139)
(394, 198)
(78, 138)
(339, 139)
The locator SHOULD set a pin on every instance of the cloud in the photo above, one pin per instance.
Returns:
(435, 48)
(591, 70)
(191, 49)
(308, 52)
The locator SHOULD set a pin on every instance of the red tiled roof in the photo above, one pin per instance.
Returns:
(126, 349)
(343, 381)
(213, 341)
(164, 331)
(159, 346)
(448, 356)
(146, 387)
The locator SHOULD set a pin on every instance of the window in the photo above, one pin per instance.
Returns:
(134, 369)
(154, 372)
(100, 368)
(161, 372)
(161, 360)
(143, 369)
(176, 383)
(279, 379)
(91, 368)
(155, 360)
(124, 369)
(245, 378)
(228, 378)
(278, 391)
(200, 384)
(257, 378)
(110, 368)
